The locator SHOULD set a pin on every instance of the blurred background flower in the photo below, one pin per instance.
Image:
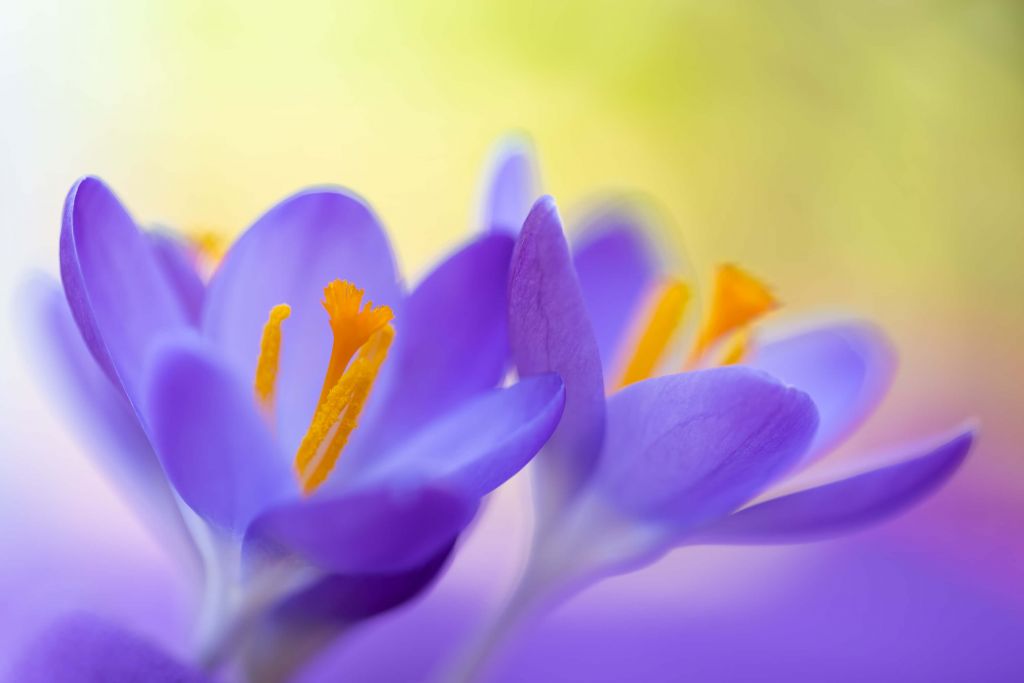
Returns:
(866, 156)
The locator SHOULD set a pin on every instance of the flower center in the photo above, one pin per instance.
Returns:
(362, 337)
(738, 299)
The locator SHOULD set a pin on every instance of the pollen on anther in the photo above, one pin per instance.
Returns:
(337, 416)
(660, 323)
(270, 356)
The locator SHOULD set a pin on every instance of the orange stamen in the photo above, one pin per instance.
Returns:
(663, 317)
(270, 357)
(347, 382)
(738, 299)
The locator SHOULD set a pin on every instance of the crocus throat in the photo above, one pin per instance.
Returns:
(362, 337)
(738, 299)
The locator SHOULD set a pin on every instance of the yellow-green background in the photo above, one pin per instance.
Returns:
(861, 156)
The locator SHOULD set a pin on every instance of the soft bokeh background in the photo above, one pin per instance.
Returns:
(861, 156)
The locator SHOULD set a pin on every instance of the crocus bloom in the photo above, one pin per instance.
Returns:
(659, 459)
(643, 461)
(249, 399)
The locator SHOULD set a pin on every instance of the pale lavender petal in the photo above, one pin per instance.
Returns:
(451, 343)
(288, 256)
(214, 445)
(617, 266)
(846, 368)
(847, 504)
(86, 649)
(550, 331)
(371, 530)
(477, 447)
(117, 289)
(683, 449)
(98, 410)
(179, 266)
(512, 185)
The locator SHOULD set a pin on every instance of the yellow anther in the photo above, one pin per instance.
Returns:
(738, 299)
(209, 244)
(351, 326)
(737, 348)
(270, 356)
(337, 415)
(660, 321)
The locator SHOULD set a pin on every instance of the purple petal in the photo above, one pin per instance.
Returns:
(179, 267)
(845, 368)
(616, 267)
(347, 598)
(288, 256)
(512, 185)
(686, 448)
(479, 446)
(550, 331)
(86, 649)
(213, 443)
(313, 618)
(372, 530)
(451, 344)
(845, 505)
(98, 409)
(114, 282)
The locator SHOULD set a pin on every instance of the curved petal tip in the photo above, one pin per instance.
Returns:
(850, 503)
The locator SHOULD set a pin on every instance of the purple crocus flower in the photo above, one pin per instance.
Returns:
(229, 406)
(644, 461)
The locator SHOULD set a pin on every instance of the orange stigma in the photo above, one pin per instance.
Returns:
(738, 300)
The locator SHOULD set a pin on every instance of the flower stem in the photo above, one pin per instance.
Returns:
(234, 608)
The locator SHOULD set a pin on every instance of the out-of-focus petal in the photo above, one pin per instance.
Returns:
(683, 449)
(213, 443)
(288, 256)
(451, 343)
(512, 185)
(616, 268)
(846, 368)
(117, 289)
(98, 410)
(371, 530)
(550, 331)
(179, 267)
(847, 504)
(351, 597)
(313, 618)
(86, 649)
(478, 446)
